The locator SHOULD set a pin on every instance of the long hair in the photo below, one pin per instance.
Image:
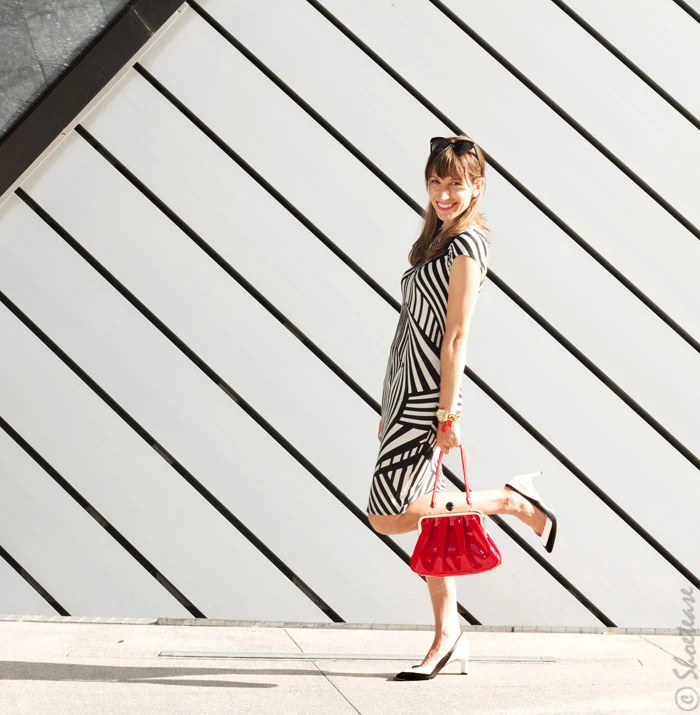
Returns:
(433, 239)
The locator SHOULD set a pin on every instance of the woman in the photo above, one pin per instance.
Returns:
(422, 394)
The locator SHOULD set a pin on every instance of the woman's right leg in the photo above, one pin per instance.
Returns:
(488, 501)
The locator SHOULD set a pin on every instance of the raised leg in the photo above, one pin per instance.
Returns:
(489, 501)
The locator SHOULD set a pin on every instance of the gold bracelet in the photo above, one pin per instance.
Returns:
(452, 416)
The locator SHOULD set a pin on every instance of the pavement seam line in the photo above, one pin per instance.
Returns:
(342, 695)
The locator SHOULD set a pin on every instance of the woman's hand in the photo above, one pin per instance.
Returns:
(449, 439)
(379, 431)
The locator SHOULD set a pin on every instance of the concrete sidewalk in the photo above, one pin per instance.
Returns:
(62, 667)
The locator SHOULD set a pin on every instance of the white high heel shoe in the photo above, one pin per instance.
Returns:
(459, 651)
(523, 485)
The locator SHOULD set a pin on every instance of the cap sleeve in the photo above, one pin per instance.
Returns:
(469, 243)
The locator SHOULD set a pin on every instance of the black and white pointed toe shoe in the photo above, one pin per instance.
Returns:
(522, 484)
(459, 651)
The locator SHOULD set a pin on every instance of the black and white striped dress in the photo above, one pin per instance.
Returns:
(408, 451)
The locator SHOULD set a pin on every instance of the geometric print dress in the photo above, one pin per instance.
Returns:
(408, 451)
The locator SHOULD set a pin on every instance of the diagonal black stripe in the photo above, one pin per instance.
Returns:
(536, 316)
(304, 105)
(13, 563)
(577, 126)
(611, 384)
(618, 510)
(220, 261)
(93, 512)
(691, 11)
(518, 185)
(618, 54)
(218, 380)
(531, 312)
(141, 431)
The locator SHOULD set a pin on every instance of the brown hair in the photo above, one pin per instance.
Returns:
(467, 168)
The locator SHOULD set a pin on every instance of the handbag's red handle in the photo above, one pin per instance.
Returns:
(437, 476)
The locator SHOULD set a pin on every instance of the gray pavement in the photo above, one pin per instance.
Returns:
(100, 668)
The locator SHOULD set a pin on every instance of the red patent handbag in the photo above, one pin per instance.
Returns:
(454, 544)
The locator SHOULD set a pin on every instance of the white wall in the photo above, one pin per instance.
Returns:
(142, 266)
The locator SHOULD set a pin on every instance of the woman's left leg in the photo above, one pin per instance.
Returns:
(488, 501)
(443, 590)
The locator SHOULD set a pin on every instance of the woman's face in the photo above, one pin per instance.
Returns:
(449, 196)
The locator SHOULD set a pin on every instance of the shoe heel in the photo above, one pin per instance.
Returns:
(464, 666)
(529, 474)
(524, 483)
(461, 654)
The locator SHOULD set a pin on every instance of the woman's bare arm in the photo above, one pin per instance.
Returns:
(465, 275)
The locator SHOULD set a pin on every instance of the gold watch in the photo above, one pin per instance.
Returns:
(444, 415)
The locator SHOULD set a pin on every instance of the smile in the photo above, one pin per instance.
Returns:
(446, 207)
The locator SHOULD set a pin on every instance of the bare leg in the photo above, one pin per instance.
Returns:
(443, 594)
(488, 501)
(443, 590)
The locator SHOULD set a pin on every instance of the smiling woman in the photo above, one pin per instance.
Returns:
(422, 384)
(449, 264)
(456, 182)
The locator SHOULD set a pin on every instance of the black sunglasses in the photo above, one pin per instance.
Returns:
(459, 146)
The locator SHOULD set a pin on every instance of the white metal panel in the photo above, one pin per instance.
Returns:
(623, 575)
(659, 37)
(205, 430)
(564, 284)
(148, 375)
(599, 202)
(627, 459)
(337, 79)
(491, 348)
(66, 550)
(18, 597)
(693, 4)
(162, 169)
(343, 446)
(111, 466)
(244, 343)
(137, 116)
(284, 144)
(594, 87)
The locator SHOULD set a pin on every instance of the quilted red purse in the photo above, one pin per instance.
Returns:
(454, 544)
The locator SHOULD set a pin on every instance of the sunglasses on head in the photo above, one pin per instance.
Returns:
(459, 146)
